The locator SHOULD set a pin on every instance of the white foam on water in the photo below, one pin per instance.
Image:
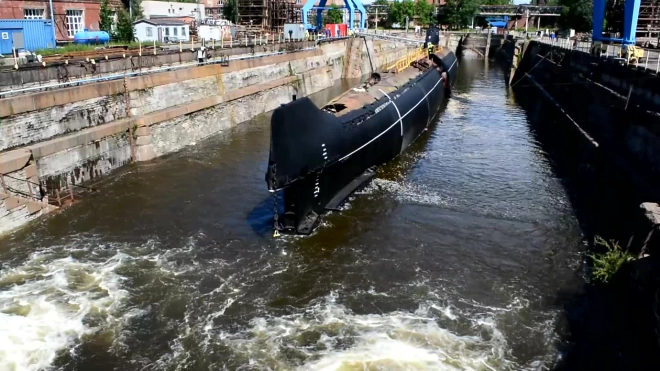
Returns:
(328, 336)
(408, 192)
(46, 306)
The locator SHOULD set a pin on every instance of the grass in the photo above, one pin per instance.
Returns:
(607, 264)
(71, 48)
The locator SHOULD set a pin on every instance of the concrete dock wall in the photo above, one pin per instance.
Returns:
(118, 61)
(76, 134)
(614, 108)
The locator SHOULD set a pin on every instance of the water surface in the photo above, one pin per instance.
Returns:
(451, 259)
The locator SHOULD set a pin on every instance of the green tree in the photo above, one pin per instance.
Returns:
(230, 11)
(334, 15)
(424, 12)
(459, 13)
(125, 32)
(577, 14)
(399, 10)
(136, 6)
(105, 15)
(496, 2)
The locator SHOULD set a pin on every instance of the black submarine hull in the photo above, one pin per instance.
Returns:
(319, 159)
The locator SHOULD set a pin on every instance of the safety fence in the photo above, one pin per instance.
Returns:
(650, 59)
(411, 57)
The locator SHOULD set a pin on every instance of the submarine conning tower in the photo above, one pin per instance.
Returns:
(432, 36)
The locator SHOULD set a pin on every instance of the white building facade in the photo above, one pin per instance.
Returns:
(161, 9)
(161, 30)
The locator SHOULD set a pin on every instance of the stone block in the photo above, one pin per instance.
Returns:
(14, 160)
(3, 196)
(145, 153)
(31, 171)
(13, 202)
(143, 131)
(34, 206)
(143, 141)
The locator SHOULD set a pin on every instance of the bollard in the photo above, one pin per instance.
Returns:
(13, 50)
(222, 42)
(154, 47)
(139, 48)
(180, 46)
(246, 39)
(231, 41)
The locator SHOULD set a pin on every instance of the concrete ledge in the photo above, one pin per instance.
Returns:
(14, 160)
(82, 137)
(32, 102)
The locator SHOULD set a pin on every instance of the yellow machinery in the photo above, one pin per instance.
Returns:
(631, 53)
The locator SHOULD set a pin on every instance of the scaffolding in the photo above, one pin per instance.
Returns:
(648, 24)
(282, 12)
(267, 14)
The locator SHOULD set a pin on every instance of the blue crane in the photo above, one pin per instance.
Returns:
(352, 6)
(630, 17)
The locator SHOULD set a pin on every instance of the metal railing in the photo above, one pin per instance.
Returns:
(117, 76)
(26, 188)
(649, 61)
(411, 57)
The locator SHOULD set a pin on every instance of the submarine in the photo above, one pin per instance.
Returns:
(320, 156)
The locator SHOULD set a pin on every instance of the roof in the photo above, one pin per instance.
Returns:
(162, 22)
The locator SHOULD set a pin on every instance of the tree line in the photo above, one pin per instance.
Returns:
(576, 14)
(123, 31)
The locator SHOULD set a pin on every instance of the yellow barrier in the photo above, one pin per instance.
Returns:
(404, 62)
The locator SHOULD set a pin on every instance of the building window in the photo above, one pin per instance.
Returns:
(33, 13)
(74, 22)
(167, 31)
(175, 30)
(149, 32)
(183, 31)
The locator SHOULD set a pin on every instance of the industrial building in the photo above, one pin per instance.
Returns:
(70, 16)
(161, 30)
(163, 9)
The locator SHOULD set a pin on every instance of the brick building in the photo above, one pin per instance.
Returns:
(71, 16)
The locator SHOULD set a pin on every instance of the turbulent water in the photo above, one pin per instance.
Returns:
(454, 258)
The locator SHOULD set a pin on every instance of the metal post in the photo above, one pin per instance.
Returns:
(526, 20)
(30, 189)
(657, 65)
(154, 47)
(52, 18)
(59, 199)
